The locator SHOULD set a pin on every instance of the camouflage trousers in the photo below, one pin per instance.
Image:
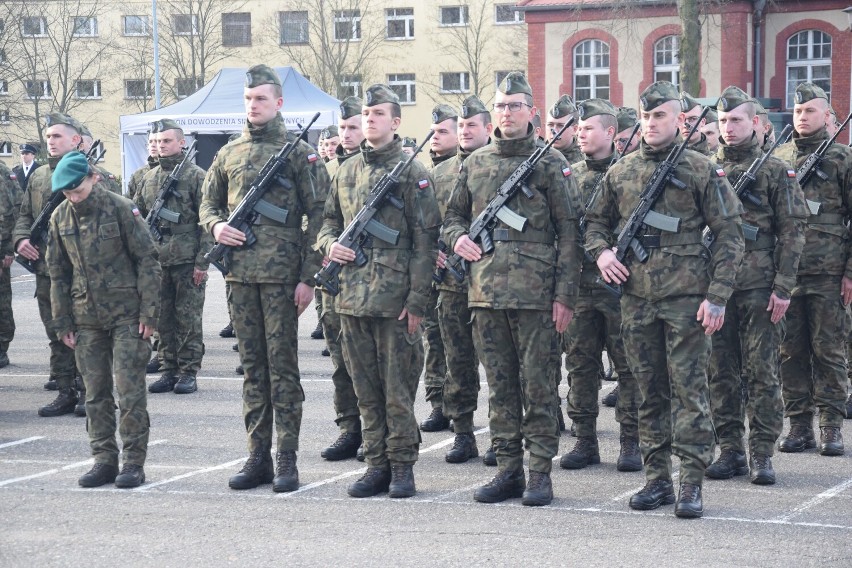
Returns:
(62, 365)
(813, 354)
(181, 345)
(266, 326)
(748, 345)
(518, 349)
(667, 352)
(345, 399)
(436, 361)
(7, 318)
(461, 389)
(100, 353)
(385, 363)
(597, 325)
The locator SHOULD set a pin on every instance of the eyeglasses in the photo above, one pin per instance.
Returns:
(513, 107)
(621, 141)
(691, 120)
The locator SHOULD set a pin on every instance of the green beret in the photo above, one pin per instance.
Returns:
(329, 132)
(711, 117)
(378, 94)
(70, 171)
(688, 102)
(759, 108)
(58, 118)
(563, 107)
(627, 118)
(349, 107)
(408, 142)
(443, 112)
(656, 94)
(165, 124)
(515, 83)
(261, 75)
(731, 98)
(472, 106)
(594, 107)
(806, 92)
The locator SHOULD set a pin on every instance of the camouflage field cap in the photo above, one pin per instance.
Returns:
(656, 94)
(758, 108)
(329, 132)
(443, 112)
(408, 142)
(84, 130)
(164, 124)
(261, 75)
(731, 98)
(594, 107)
(807, 92)
(472, 106)
(379, 94)
(70, 171)
(349, 107)
(688, 102)
(711, 117)
(55, 118)
(564, 106)
(627, 117)
(515, 83)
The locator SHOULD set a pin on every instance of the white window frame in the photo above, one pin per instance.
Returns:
(405, 82)
(517, 16)
(660, 48)
(4, 117)
(355, 83)
(192, 21)
(464, 16)
(187, 81)
(241, 25)
(808, 63)
(304, 26)
(352, 17)
(392, 15)
(463, 80)
(147, 85)
(593, 71)
(6, 149)
(46, 90)
(84, 26)
(42, 26)
(4, 86)
(141, 18)
(96, 89)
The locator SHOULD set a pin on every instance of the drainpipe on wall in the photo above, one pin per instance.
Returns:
(759, 5)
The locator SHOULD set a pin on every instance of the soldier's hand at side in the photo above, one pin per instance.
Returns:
(441, 261)
(27, 250)
(778, 307)
(227, 235)
(413, 321)
(467, 249)
(198, 276)
(562, 315)
(146, 331)
(303, 296)
(611, 269)
(846, 290)
(341, 254)
(7, 260)
(70, 340)
(711, 316)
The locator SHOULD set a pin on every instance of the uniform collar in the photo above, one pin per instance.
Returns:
(388, 153)
(810, 143)
(649, 153)
(438, 159)
(600, 165)
(269, 131)
(748, 150)
(168, 163)
(523, 146)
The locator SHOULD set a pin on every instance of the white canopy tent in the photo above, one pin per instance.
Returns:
(216, 111)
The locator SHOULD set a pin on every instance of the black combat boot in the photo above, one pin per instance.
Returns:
(286, 473)
(256, 471)
(830, 441)
(80, 387)
(239, 369)
(585, 453)
(4, 359)
(505, 485)
(629, 456)
(729, 464)
(166, 383)
(51, 384)
(799, 439)
(560, 419)
(235, 347)
(64, 403)
(344, 447)
(689, 504)
(186, 384)
(489, 458)
(132, 475)
(375, 481)
(227, 331)
(359, 455)
(317, 333)
(655, 493)
(100, 474)
(464, 448)
(539, 491)
(435, 422)
(402, 481)
(849, 407)
(153, 365)
(761, 470)
(611, 399)
(325, 352)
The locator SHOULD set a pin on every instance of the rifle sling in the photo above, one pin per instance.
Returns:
(671, 239)
(529, 235)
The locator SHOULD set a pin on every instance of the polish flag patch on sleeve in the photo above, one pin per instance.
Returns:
(135, 211)
(791, 174)
(423, 183)
(13, 176)
(312, 158)
(720, 172)
(566, 171)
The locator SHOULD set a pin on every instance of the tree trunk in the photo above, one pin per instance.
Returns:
(690, 46)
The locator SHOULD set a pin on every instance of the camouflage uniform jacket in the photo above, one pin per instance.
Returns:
(185, 242)
(34, 199)
(109, 180)
(679, 266)
(526, 271)
(702, 146)
(572, 153)
(135, 183)
(773, 259)
(103, 273)
(445, 176)
(282, 253)
(394, 277)
(438, 160)
(589, 175)
(9, 206)
(827, 240)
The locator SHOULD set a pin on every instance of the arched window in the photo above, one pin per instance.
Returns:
(808, 60)
(666, 61)
(591, 70)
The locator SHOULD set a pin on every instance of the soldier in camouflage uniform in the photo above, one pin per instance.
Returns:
(597, 314)
(331, 140)
(272, 280)
(711, 131)
(181, 256)
(749, 342)
(627, 119)
(563, 109)
(813, 355)
(521, 295)
(105, 304)
(671, 304)
(382, 303)
(135, 182)
(106, 177)
(692, 109)
(348, 418)
(10, 204)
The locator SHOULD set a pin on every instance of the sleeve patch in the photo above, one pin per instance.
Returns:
(720, 172)
(566, 171)
(791, 174)
(135, 211)
(312, 158)
(13, 176)
(423, 183)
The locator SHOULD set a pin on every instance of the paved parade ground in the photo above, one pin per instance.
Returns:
(185, 515)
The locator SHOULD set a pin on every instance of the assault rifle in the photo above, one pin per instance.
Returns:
(644, 215)
(364, 226)
(811, 166)
(481, 228)
(158, 210)
(253, 205)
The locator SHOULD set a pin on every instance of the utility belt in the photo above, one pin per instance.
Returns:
(827, 219)
(178, 229)
(670, 239)
(529, 235)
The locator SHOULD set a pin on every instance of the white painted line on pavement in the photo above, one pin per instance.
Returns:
(148, 486)
(813, 502)
(24, 441)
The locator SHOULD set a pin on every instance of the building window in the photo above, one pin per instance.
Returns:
(403, 85)
(666, 61)
(350, 86)
(455, 82)
(505, 14)
(454, 16)
(591, 70)
(38, 89)
(185, 24)
(185, 86)
(34, 26)
(2, 56)
(400, 23)
(84, 26)
(6, 148)
(87, 89)
(294, 27)
(347, 25)
(4, 87)
(236, 29)
(808, 60)
(136, 26)
(137, 89)
(4, 117)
